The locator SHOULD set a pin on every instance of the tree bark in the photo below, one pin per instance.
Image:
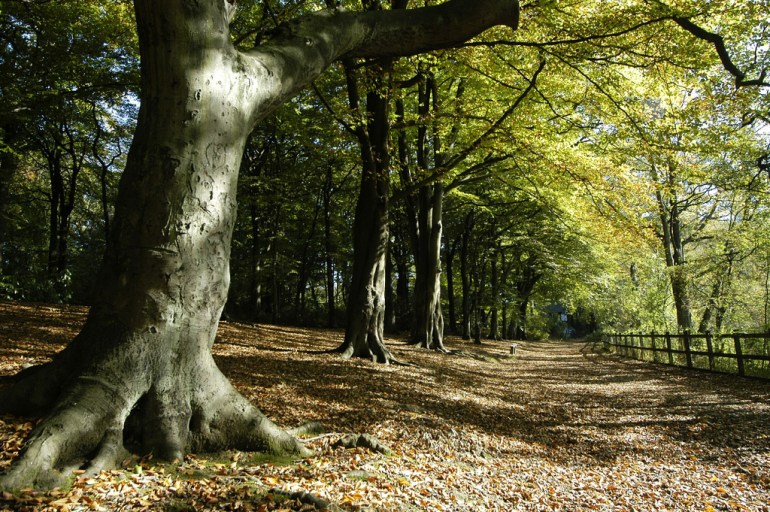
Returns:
(675, 260)
(450, 285)
(141, 368)
(428, 326)
(425, 221)
(364, 333)
(331, 310)
(465, 277)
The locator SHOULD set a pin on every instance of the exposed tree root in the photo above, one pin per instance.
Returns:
(438, 347)
(363, 441)
(189, 408)
(305, 498)
(309, 428)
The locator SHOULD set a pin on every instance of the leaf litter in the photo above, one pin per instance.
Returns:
(559, 426)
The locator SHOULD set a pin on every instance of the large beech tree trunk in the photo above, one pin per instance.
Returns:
(142, 367)
(428, 322)
(428, 326)
(365, 329)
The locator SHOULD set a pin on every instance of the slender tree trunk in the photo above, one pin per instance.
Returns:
(495, 292)
(303, 274)
(331, 312)
(390, 296)
(521, 328)
(450, 254)
(401, 264)
(275, 285)
(727, 280)
(526, 280)
(465, 277)
(255, 266)
(61, 197)
(675, 258)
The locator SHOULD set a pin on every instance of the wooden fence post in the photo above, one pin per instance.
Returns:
(710, 348)
(739, 354)
(654, 349)
(668, 348)
(687, 352)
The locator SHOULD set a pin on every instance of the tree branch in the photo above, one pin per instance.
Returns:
(303, 48)
(719, 44)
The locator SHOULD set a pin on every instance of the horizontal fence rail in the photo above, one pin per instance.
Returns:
(744, 354)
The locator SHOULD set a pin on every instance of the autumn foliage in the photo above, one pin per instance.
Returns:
(558, 426)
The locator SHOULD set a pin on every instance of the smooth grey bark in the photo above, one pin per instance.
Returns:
(142, 367)
(494, 285)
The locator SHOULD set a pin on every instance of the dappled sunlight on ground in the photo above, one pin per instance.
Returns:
(558, 426)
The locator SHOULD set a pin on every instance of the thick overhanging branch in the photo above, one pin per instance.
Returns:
(303, 48)
(407, 32)
(724, 55)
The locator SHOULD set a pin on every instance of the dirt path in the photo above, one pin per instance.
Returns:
(559, 426)
(666, 438)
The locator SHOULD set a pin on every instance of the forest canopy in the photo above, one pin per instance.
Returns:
(644, 119)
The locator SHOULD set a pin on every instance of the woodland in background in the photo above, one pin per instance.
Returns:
(582, 169)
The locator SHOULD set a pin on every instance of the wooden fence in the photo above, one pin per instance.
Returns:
(744, 354)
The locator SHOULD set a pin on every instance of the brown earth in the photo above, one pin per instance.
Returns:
(558, 426)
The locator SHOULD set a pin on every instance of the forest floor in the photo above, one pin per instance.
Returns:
(559, 426)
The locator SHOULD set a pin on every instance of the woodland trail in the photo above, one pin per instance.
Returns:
(559, 426)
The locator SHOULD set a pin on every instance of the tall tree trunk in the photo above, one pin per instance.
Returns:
(521, 327)
(142, 368)
(61, 207)
(401, 263)
(272, 249)
(450, 256)
(494, 286)
(255, 265)
(331, 310)
(364, 334)
(526, 280)
(727, 280)
(465, 277)
(428, 321)
(390, 296)
(428, 324)
(305, 263)
(671, 227)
